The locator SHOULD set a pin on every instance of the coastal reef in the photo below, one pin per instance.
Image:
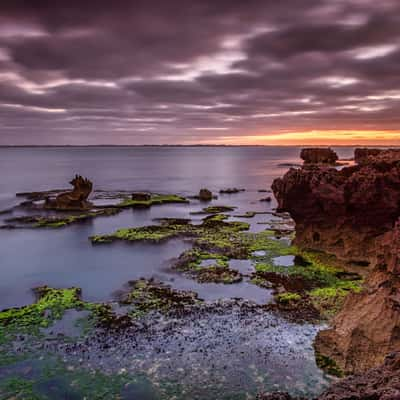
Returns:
(352, 214)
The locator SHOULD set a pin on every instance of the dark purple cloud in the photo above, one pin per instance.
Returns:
(136, 72)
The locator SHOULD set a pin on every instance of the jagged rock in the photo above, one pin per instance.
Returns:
(76, 199)
(205, 195)
(344, 212)
(141, 196)
(352, 214)
(382, 382)
(316, 155)
(362, 155)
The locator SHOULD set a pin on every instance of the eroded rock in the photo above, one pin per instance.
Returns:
(316, 155)
(76, 199)
(352, 214)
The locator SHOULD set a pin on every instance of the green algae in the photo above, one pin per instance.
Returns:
(323, 285)
(38, 221)
(50, 305)
(218, 274)
(156, 199)
(213, 232)
(287, 297)
(328, 365)
(56, 380)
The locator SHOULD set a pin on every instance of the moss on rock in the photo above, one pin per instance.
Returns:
(155, 199)
(50, 305)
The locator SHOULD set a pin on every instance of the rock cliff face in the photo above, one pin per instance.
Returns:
(354, 214)
(344, 212)
(368, 326)
(318, 155)
(76, 199)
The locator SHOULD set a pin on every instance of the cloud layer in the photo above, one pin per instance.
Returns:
(135, 72)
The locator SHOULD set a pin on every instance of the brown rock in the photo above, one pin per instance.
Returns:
(316, 155)
(75, 199)
(352, 214)
(368, 326)
(344, 212)
(140, 196)
(205, 195)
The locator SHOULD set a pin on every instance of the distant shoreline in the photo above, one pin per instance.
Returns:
(190, 145)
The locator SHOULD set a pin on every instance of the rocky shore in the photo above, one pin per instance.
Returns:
(353, 214)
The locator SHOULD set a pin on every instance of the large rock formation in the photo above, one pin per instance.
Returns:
(76, 199)
(318, 155)
(344, 212)
(352, 214)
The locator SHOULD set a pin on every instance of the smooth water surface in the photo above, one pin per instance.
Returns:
(65, 257)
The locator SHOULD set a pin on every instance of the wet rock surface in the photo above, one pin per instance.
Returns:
(208, 348)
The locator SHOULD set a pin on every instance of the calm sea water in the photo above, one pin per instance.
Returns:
(263, 353)
(65, 257)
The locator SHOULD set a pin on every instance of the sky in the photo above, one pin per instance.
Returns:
(262, 72)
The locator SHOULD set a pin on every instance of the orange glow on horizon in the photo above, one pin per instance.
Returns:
(318, 137)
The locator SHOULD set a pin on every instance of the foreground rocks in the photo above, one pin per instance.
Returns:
(382, 382)
(368, 326)
(318, 155)
(352, 214)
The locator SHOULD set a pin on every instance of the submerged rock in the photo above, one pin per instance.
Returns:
(382, 382)
(231, 190)
(316, 155)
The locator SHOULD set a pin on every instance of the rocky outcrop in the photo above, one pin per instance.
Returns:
(343, 212)
(353, 213)
(141, 196)
(205, 195)
(361, 155)
(76, 199)
(317, 155)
